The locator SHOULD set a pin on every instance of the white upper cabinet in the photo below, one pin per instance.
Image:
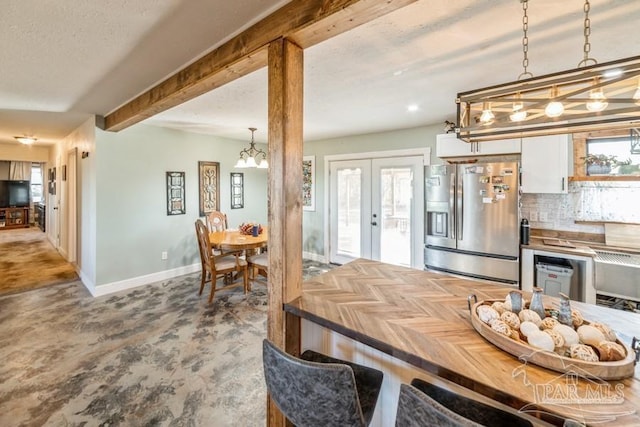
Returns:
(545, 164)
(448, 145)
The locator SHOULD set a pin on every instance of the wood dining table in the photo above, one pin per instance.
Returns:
(233, 240)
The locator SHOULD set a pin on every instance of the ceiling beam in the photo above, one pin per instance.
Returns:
(307, 22)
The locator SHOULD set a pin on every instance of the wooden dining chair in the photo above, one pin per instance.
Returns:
(217, 221)
(215, 266)
(258, 266)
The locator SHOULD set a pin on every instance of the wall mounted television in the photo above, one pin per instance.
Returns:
(14, 194)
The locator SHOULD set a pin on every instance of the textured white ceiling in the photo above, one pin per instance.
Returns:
(75, 57)
(89, 57)
(424, 54)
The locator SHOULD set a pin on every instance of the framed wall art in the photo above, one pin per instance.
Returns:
(237, 190)
(309, 183)
(175, 193)
(209, 187)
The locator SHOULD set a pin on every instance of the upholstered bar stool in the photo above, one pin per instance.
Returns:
(319, 391)
(425, 404)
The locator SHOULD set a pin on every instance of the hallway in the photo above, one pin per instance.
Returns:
(29, 261)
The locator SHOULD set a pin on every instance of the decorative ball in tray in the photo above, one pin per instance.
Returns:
(247, 228)
(558, 339)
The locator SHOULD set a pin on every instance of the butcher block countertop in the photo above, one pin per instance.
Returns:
(561, 246)
(423, 319)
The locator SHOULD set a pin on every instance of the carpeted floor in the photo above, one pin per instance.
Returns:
(29, 261)
(158, 355)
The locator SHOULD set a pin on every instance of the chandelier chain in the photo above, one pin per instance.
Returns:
(525, 40)
(587, 33)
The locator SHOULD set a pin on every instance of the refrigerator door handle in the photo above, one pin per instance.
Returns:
(452, 206)
(460, 206)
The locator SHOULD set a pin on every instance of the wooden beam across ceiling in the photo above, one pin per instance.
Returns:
(306, 22)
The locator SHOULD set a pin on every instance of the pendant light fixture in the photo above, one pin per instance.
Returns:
(590, 97)
(249, 156)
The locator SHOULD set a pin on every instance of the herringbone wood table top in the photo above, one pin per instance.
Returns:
(423, 318)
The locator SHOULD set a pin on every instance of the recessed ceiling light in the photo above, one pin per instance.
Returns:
(412, 108)
(397, 73)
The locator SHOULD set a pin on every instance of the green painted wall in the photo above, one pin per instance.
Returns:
(313, 222)
(132, 225)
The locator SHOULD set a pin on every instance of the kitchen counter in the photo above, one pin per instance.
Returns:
(582, 256)
(579, 249)
(419, 320)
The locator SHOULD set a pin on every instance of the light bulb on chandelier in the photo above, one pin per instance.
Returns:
(636, 96)
(597, 101)
(518, 113)
(487, 116)
(554, 108)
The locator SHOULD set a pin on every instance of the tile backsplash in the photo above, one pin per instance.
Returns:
(592, 201)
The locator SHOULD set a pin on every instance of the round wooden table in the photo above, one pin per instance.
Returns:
(233, 240)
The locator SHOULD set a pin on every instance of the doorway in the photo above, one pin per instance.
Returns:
(376, 208)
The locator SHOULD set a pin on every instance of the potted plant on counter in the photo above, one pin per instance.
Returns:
(599, 164)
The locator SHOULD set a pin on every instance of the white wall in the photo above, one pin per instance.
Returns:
(132, 225)
(25, 153)
(83, 139)
(313, 221)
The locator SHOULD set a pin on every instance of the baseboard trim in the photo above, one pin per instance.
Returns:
(314, 257)
(134, 282)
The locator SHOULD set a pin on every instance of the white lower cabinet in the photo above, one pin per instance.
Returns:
(545, 164)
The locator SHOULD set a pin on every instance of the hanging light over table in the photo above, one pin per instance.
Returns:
(590, 97)
(252, 157)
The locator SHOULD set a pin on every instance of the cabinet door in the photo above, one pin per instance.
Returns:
(504, 146)
(447, 145)
(545, 164)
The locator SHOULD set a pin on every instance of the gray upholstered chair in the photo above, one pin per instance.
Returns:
(318, 390)
(426, 404)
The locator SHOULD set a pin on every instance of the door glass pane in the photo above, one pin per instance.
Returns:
(396, 190)
(349, 215)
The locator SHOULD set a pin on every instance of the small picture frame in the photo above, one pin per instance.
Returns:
(237, 190)
(175, 193)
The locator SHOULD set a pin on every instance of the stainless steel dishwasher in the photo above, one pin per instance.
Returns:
(617, 274)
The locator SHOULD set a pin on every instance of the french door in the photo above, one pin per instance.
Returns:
(375, 210)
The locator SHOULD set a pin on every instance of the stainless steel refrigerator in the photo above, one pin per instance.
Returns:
(472, 221)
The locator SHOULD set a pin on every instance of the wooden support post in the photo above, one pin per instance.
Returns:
(284, 197)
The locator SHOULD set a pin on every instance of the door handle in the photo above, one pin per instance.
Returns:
(374, 223)
(55, 208)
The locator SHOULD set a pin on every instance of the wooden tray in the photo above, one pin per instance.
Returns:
(523, 351)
